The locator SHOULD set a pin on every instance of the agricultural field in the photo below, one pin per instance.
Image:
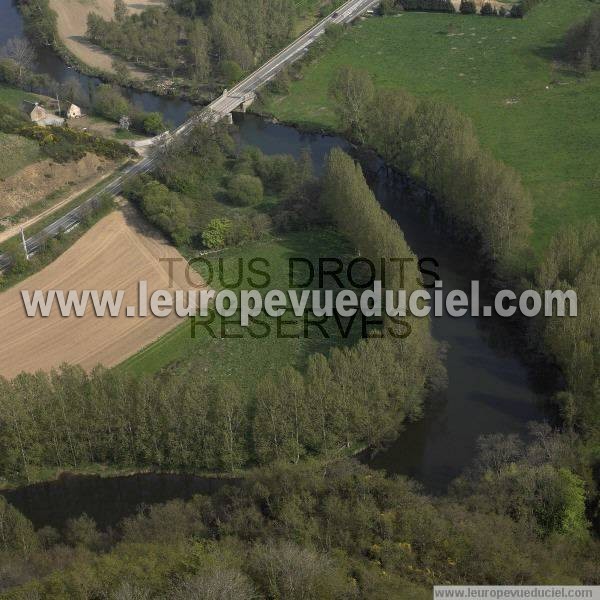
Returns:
(115, 254)
(14, 97)
(505, 74)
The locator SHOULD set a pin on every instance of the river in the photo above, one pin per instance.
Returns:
(489, 389)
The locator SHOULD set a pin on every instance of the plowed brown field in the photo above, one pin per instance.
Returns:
(115, 254)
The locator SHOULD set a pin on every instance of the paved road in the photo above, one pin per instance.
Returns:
(215, 111)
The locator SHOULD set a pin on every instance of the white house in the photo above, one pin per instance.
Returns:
(74, 112)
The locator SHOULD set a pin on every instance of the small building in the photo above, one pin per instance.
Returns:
(74, 112)
(40, 116)
(36, 112)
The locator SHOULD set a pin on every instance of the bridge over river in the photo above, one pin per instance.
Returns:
(238, 96)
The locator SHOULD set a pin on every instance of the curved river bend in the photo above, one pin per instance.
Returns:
(489, 389)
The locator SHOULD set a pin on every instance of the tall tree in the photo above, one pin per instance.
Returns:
(19, 50)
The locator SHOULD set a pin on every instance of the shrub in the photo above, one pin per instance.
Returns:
(153, 123)
(245, 190)
(215, 234)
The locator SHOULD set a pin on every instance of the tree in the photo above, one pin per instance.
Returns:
(110, 103)
(121, 71)
(245, 190)
(231, 71)
(120, 11)
(230, 426)
(353, 90)
(82, 531)
(16, 532)
(198, 50)
(21, 52)
(153, 123)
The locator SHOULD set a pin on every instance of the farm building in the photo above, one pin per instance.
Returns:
(74, 112)
(40, 116)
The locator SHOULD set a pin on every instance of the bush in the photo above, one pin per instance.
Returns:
(245, 190)
(215, 234)
(244, 230)
(154, 123)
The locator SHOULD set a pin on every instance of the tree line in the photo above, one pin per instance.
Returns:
(572, 262)
(327, 530)
(482, 198)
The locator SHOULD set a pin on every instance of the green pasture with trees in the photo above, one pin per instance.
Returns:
(532, 107)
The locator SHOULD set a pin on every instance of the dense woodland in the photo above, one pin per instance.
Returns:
(205, 41)
(306, 524)
(318, 531)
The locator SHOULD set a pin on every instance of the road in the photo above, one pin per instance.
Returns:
(215, 111)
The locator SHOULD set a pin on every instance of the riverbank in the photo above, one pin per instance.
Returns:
(503, 73)
(72, 27)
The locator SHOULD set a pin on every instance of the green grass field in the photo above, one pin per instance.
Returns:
(16, 152)
(240, 359)
(531, 111)
(13, 96)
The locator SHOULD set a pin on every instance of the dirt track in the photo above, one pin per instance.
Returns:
(72, 27)
(115, 254)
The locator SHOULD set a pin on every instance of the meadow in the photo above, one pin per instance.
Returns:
(16, 152)
(530, 109)
(234, 354)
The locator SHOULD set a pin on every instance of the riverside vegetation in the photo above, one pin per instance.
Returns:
(175, 420)
(305, 523)
(334, 531)
(529, 105)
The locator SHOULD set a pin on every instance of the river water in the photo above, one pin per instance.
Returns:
(489, 389)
